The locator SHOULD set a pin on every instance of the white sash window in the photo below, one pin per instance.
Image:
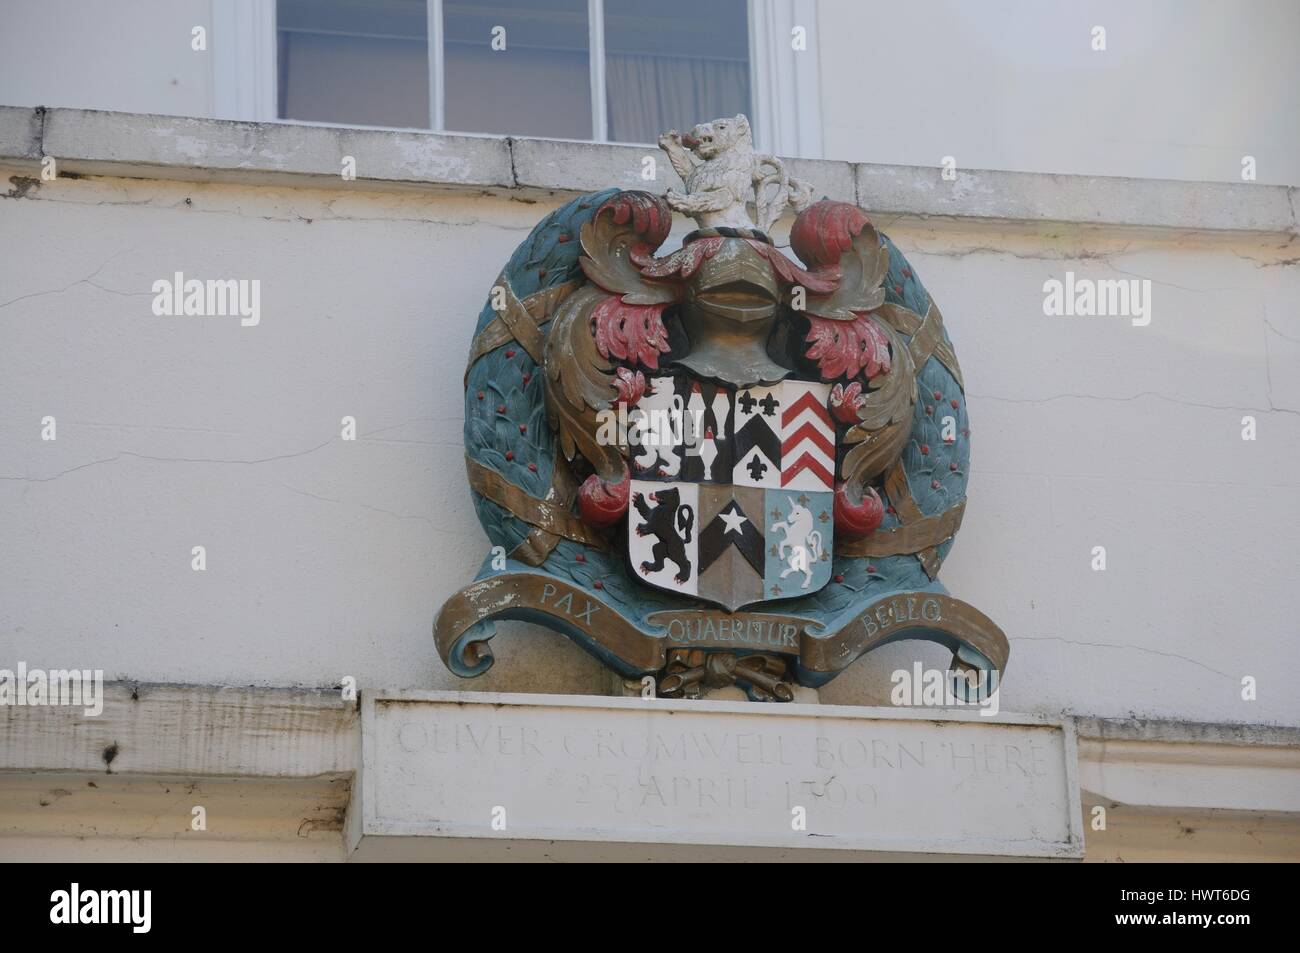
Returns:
(604, 70)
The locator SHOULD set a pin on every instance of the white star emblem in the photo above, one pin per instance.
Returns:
(734, 520)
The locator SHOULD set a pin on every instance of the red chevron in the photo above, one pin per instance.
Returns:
(807, 462)
(809, 431)
(807, 402)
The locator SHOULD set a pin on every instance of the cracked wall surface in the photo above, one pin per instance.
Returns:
(329, 558)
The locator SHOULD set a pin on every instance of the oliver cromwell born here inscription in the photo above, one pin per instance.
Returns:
(647, 768)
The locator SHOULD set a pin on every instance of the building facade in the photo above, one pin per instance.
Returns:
(246, 520)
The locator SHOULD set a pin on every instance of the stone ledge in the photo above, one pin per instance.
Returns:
(308, 732)
(190, 730)
(1186, 732)
(91, 142)
(144, 146)
(310, 737)
(1084, 200)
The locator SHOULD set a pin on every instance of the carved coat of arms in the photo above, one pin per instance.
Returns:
(718, 464)
(734, 505)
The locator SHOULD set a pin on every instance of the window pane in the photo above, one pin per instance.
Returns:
(359, 62)
(673, 63)
(539, 85)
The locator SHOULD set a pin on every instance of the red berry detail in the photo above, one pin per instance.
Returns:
(523, 428)
(925, 449)
(929, 410)
(532, 467)
(934, 484)
(598, 584)
(580, 558)
(898, 289)
(480, 395)
(839, 577)
(527, 377)
(938, 396)
(952, 467)
(510, 454)
(871, 569)
(501, 408)
(510, 354)
(562, 237)
(890, 509)
(541, 274)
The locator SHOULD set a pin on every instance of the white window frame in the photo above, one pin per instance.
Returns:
(785, 84)
(244, 73)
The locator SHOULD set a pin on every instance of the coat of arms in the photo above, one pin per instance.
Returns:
(718, 464)
(734, 504)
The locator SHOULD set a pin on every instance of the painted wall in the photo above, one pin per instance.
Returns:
(328, 558)
(1184, 89)
(131, 57)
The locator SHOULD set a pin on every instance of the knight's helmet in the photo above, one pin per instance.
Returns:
(728, 311)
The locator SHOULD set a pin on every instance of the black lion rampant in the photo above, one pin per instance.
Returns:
(671, 539)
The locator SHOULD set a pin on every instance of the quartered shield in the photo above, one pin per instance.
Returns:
(732, 489)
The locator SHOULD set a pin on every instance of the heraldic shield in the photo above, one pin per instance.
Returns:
(732, 489)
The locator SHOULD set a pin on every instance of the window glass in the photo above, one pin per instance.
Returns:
(673, 63)
(358, 62)
(539, 84)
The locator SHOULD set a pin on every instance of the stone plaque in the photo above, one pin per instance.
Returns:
(571, 776)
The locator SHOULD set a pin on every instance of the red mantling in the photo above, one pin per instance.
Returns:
(601, 503)
(630, 387)
(846, 401)
(824, 231)
(684, 262)
(650, 215)
(857, 516)
(820, 282)
(845, 348)
(630, 332)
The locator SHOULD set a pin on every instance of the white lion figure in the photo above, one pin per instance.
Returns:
(803, 542)
(655, 425)
(723, 175)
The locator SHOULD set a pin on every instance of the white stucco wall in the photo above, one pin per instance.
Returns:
(328, 558)
(1183, 90)
(127, 56)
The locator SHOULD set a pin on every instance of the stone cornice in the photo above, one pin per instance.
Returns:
(90, 142)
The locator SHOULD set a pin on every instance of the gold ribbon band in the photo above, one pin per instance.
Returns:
(926, 334)
(519, 321)
(537, 545)
(916, 534)
(907, 539)
(542, 514)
